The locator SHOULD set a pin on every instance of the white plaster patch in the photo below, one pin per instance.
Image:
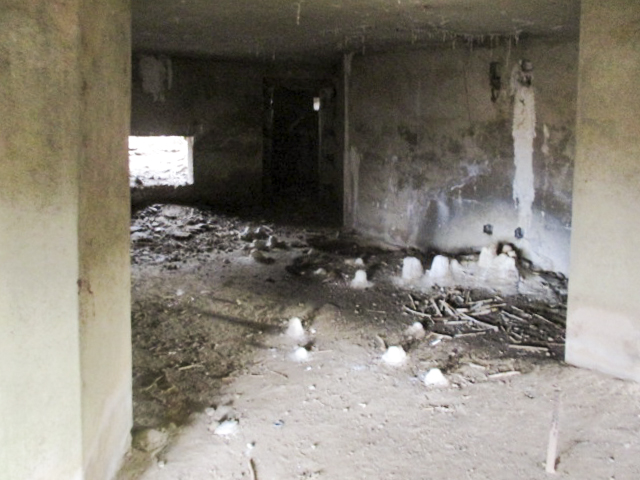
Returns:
(352, 194)
(524, 131)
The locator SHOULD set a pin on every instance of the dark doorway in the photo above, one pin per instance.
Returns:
(295, 143)
(300, 166)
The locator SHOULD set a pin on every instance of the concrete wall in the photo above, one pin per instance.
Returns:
(220, 104)
(65, 368)
(430, 158)
(604, 306)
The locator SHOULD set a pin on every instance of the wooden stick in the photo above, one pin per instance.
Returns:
(513, 317)
(435, 307)
(472, 334)
(447, 308)
(510, 373)
(479, 322)
(482, 312)
(413, 303)
(416, 312)
(252, 468)
(552, 448)
(480, 301)
(529, 348)
(189, 367)
(540, 317)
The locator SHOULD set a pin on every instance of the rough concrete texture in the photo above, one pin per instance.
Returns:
(604, 319)
(431, 157)
(220, 105)
(320, 29)
(103, 231)
(64, 289)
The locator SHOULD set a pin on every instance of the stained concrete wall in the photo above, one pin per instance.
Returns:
(65, 368)
(103, 232)
(220, 104)
(430, 157)
(604, 306)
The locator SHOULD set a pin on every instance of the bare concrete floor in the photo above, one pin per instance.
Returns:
(211, 346)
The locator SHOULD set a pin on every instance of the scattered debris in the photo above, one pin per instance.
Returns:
(454, 312)
(150, 440)
(260, 257)
(170, 235)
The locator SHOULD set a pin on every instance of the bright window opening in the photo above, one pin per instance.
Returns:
(316, 104)
(160, 161)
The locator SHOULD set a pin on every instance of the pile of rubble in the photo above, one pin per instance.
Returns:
(170, 234)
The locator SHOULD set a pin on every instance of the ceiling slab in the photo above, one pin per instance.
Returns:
(324, 29)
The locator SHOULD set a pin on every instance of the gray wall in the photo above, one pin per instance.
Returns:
(431, 158)
(218, 103)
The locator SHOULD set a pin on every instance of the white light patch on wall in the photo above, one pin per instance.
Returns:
(157, 76)
(160, 161)
(316, 104)
(524, 131)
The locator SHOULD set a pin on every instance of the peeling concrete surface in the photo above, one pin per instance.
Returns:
(437, 155)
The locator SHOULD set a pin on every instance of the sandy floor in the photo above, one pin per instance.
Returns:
(217, 381)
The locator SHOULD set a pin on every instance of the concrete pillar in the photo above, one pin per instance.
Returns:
(65, 347)
(604, 290)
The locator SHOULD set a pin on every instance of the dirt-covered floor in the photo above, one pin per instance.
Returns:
(228, 386)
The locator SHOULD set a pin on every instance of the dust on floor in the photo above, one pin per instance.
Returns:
(225, 389)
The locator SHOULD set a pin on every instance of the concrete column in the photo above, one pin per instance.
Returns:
(65, 348)
(604, 291)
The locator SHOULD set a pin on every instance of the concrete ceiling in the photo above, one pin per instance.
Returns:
(323, 29)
